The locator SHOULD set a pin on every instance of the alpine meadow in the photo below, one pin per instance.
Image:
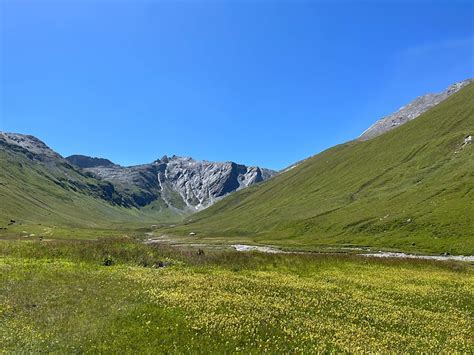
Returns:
(211, 177)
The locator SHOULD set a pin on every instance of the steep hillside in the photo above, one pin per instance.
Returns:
(38, 186)
(409, 189)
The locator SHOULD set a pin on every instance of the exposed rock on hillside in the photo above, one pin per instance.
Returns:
(27, 143)
(411, 111)
(180, 182)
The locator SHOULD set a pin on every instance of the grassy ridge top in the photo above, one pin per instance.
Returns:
(409, 189)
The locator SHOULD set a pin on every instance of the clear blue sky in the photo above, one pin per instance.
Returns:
(258, 82)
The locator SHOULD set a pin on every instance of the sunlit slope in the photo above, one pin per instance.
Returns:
(410, 189)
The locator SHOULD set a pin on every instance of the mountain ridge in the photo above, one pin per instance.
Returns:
(408, 189)
(182, 182)
(412, 110)
(36, 182)
(84, 161)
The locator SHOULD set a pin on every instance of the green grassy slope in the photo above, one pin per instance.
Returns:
(410, 189)
(51, 193)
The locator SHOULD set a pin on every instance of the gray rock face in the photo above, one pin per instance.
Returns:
(180, 182)
(201, 183)
(411, 111)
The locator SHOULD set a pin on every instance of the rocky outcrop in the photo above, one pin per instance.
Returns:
(411, 111)
(201, 183)
(180, 182)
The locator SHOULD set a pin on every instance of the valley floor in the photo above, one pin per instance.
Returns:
(116, 295)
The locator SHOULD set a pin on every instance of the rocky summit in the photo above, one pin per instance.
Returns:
(182, 183)
(27, 143)
(411, 111)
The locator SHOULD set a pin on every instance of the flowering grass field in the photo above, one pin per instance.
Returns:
(60, 296)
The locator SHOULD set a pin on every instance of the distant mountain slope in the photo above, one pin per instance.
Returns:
(410, 189)
(182, 183)
(411, 111)
(83, 161)
(38, 185)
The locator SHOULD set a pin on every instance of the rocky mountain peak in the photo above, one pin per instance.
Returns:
(411, 111)
(182, 183)
(164, 159)
(28, 143)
